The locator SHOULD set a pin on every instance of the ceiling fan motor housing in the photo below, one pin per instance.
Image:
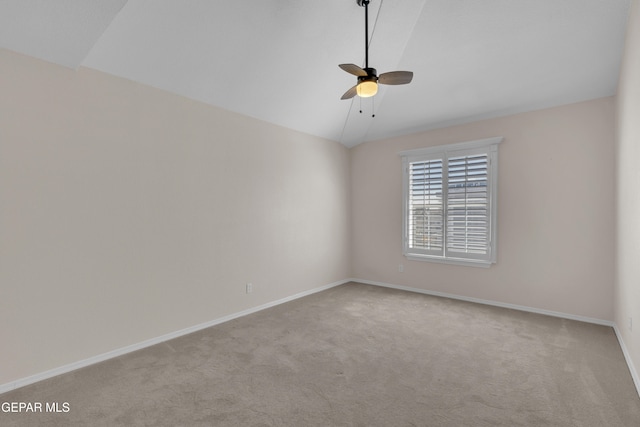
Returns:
(371, 74)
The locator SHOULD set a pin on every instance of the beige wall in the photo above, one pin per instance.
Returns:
(127, 213)
(555, 212)
(627, 296)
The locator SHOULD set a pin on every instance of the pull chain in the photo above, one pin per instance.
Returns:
(373, 106)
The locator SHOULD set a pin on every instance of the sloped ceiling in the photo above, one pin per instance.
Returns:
(277, 60)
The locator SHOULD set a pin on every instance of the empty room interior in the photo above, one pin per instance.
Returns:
(199, 226)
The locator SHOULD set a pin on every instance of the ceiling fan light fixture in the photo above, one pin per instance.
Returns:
(368, 79)
(367, 88)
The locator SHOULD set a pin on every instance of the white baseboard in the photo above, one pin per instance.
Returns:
(489, 302)
(627, 356)
(147, 343)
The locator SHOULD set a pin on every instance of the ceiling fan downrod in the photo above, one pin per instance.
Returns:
(365, 4)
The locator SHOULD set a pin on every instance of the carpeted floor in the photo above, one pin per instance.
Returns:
(356, 355)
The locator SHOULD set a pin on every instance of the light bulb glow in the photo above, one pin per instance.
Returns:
(367, 88)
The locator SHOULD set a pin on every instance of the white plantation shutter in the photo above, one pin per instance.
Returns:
(450, 202)
(468, 209)
(426, 218)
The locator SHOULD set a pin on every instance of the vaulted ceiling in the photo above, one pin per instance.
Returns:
(277, 60)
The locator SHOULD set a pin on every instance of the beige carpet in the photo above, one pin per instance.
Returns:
(357, 355)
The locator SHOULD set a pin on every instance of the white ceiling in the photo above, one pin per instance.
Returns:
(277, 60)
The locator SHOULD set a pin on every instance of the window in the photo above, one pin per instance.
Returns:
(450, 202)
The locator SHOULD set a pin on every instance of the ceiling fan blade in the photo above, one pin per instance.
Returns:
(395, 78)
(350, 93)
(353, 69)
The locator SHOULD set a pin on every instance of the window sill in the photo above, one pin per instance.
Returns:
(453, 261)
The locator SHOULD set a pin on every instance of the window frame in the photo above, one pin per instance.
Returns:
(488, 146)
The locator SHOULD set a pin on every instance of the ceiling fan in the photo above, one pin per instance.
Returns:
(367, 78)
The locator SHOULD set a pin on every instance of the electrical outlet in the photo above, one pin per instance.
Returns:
(401, 268)
(249, 288)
